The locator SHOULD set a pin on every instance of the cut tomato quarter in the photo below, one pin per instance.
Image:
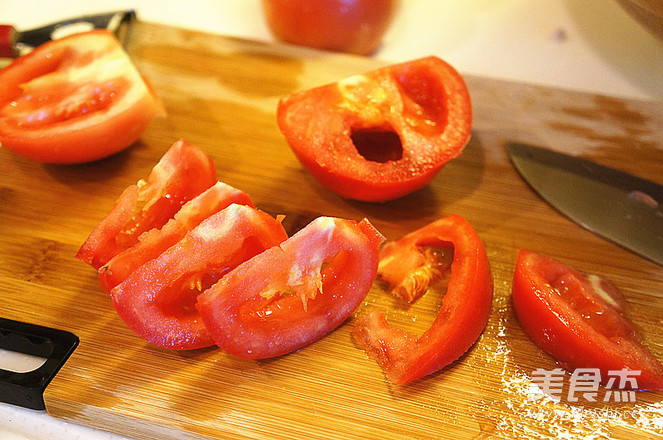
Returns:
(74, 99)
(157, 301)
(403, 356)
(154, 242)
(579, 320)
(181, 174)
(382, 134)
(293, 294)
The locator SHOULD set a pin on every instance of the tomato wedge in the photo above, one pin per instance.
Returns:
(181, 174)
(75, 99)
(157, 301)
(579, 320)
(383, 134)
(293, 294)
(403, 356)
(154, 242)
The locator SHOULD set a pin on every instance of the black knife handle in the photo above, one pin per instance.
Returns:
(27, 389)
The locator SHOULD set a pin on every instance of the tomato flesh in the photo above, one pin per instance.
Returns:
(383, 134)
(157, 300)
(464, 313)
(579, 320)
(74, 99)
(154, 242)
(293, 294)
(181, 174)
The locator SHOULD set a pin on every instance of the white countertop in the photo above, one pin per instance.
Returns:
(589, 45)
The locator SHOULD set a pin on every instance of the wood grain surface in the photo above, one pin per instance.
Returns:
(221, 95)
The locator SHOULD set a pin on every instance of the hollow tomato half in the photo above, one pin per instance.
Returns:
(74, 99)
(464, 313)
(157, 300)
(579, 320)
(293, 294)
(182, 173)
(382, 134)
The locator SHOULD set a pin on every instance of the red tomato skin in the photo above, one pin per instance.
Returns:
(355, 26)
(155, 300)
(424, 102)
(560, 330)
(245, 323)
(403, 356)
(112, 115)
(154, 242)
(181, 174)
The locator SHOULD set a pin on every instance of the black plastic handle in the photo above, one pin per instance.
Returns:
(27, 389)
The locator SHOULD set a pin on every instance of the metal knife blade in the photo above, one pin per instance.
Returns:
(14, 43)
(613, 204)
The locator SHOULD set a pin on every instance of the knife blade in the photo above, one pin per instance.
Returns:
(613, 204)
(14, 43)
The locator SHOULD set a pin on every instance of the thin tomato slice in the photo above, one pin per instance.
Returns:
(293, 294)
(382, 134)
(157, 301)
(403, 356)
(75, 99)
(579, 320)
(181, 174)
(154, 242)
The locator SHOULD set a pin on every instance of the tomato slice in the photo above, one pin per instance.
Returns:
(403, 356)
(154, 242)
(579, 320)
(181, 174)
(293, 294)
(383, 134)
(75, 99)
(157, 300)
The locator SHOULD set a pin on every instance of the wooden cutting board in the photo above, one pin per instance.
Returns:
(221, 95)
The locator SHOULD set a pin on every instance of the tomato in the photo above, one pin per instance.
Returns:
(74, 99)
(181, 174)
(157, 300)
(353, 26)
(403, 356)
(293, 294)
(579, 320)
(383, 134)
(154, 242)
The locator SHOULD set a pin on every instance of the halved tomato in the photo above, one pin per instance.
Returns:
(181, 174)
(75, 99)
(382, 134)
(157, 301)
(293, 294)
(411, 261)
(579, 320)
(154, 242)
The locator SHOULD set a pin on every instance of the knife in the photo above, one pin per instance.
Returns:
(613, 204)
(14, 43)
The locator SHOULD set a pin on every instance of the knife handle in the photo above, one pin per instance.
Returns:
(55, 346)
(7, 41)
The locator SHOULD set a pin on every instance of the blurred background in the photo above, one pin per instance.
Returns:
(590, 45)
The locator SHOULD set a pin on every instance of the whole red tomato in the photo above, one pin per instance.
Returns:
(353, 26)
